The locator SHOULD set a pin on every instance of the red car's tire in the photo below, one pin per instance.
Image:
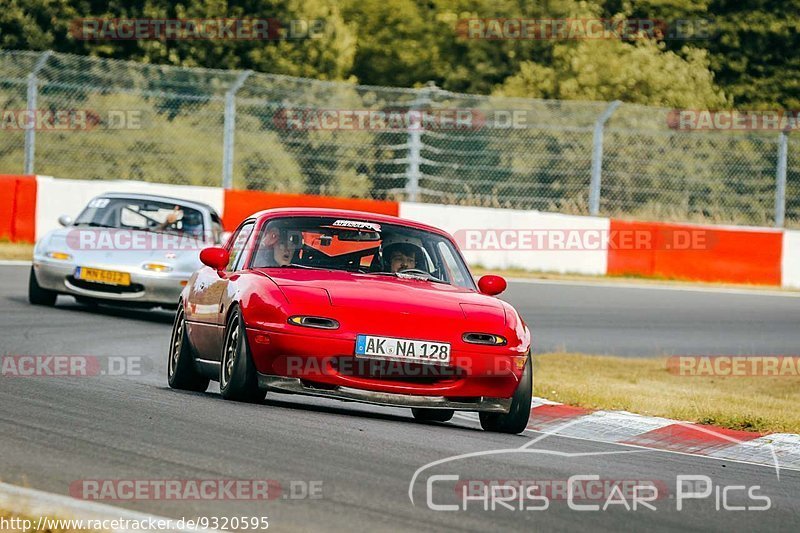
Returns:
(516, 420)
(38, 295)
(181, 370)
(238, 379)
(432, 415)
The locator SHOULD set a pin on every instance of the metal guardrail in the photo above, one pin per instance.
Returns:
(127, 120)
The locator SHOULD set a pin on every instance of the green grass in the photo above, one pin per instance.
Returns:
(645, 386)
(16, 250)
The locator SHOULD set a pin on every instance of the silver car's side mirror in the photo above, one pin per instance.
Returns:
(65, 220)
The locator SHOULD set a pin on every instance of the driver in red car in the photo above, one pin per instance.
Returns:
(402, 256)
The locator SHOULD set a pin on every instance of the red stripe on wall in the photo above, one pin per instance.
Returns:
(18, 208)
(8, 195)
(241, 204)
(693, 252)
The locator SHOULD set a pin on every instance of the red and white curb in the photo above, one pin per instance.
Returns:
(37, 504)
(777, 450)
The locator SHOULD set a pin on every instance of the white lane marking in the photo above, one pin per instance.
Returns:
(614, 426)
(46, 504)
(543, 434)
(10, 262)
(659, 287)
(785, 446)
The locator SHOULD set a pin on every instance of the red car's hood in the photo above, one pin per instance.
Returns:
(388, 297)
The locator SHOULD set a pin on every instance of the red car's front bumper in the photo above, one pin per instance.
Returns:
(324, 365)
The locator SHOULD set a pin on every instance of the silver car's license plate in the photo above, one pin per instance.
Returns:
(403, 349)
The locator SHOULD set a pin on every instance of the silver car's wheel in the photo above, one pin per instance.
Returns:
(238, 379)
(38, 295)
(181, 370)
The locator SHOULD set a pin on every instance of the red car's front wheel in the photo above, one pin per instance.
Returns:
(238, 379)
(516, 420)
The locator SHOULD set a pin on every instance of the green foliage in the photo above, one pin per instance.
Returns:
(748, 58)
(46, 24)
(640, 72)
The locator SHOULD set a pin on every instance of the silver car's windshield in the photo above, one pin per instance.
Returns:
(360, 246)
(140, 214)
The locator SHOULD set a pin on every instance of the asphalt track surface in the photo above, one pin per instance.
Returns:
(55, 431)
(651, 320)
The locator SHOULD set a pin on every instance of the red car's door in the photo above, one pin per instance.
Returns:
(205, 316)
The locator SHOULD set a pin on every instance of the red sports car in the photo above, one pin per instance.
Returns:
(353, 306)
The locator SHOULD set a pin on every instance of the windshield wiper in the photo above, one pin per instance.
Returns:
(416, 275)
(94, 224)
(295, 265)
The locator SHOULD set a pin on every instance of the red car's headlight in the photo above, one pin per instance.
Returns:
(314, 322)
(488, 339)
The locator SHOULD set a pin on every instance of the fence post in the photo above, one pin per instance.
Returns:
(229, 129)
(33, 94)
(415, 144)
(597, 157)
(780, 179)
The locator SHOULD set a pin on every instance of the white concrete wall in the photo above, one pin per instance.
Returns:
(56, 197)
(790, 260)
(455, 218)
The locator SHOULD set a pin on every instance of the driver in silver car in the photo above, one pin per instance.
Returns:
(191, 222)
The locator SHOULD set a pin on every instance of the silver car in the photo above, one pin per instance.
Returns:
(124, 249)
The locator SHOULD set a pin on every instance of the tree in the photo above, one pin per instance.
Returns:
(640, 72)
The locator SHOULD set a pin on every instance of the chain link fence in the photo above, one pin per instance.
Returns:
(88, 118)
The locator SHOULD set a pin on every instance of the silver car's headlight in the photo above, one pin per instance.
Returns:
(156, 267)
(59, 256)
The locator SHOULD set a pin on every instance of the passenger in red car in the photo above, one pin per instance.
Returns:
(277, 249)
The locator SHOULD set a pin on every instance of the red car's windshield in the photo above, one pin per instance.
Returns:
(359, 246)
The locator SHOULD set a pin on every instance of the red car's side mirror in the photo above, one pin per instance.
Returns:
(215, 257)
(492, 285)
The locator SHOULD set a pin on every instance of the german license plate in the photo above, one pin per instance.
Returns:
(109, 277)
(437, 353)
